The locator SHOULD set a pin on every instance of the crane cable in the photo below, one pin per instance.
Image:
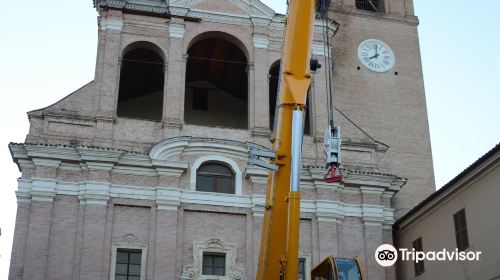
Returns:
(331, 175)
(328, 82)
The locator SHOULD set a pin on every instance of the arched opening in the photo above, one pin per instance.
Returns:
(370, 5)
(274, 73)
(141, 83)
(215, 177)
(216, 83)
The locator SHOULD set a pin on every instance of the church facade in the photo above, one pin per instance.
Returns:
(142, 173)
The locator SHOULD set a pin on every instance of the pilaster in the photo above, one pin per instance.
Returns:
(318, 110)
(107, 76)
(260, 88)
(18, 256)
(94, 234)
(37, 244)
(173, 108)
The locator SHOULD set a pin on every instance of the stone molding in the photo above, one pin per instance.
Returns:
(238, 187)
(176, 30)
(166, 159)
(213, 245)
(99, 193)
(128, 241)
(260, 41)
(256, 12)
(318, 48)
(111, 24)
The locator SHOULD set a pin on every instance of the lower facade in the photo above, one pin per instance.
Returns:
(66, 239)
(190, 208)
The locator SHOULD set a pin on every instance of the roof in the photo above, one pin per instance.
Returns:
(450, 184)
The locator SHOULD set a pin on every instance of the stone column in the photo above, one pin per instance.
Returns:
(409, 8)
(174, 96)
(373, 239)
(327, 236)
(373, 218)
(166, 249)
(259, 94)
(318, 101)
(43, 188)
(37, 243)
(249, 249)
(95, 199)
(165, 257)
(18, 255)
(258, 219)
(107, 74)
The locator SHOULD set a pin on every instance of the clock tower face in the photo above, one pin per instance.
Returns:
(376, 55)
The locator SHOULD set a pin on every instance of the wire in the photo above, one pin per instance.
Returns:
(143, 61)
(328, 82)
(218, 60)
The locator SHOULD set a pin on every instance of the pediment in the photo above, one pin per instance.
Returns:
(253, 8)
(221, 6)
(173, 149)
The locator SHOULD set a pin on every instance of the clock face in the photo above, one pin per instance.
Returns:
(376, 55)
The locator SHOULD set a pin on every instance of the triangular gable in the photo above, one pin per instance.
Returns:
(252, 8)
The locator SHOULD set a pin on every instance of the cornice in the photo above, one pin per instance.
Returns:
(167, 159)
(257, 13)
(409, 20)
(170, 198)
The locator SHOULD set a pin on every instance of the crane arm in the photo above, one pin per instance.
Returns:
(280, 232)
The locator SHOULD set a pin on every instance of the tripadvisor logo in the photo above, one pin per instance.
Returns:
(387, 255)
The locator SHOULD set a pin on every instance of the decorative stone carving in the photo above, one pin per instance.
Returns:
(213, 245)
(129, 239)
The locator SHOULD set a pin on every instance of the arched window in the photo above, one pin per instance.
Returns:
(215, 177)
(370, 5)
(141, 83)
(216, 83)
(274, 74)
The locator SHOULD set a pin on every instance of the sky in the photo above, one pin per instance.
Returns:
(48, 50)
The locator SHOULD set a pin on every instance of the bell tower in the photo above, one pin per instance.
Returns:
(378, 84)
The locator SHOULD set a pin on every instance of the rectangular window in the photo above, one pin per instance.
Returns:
(214, 264)
(461, 230)
(302, 269)
(200, 99)
(370, 5)
(128, 264)
(419, 267)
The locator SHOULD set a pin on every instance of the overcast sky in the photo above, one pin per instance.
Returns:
(48, 50)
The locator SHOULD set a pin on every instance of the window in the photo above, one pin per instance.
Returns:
(142, 74)
(128, 264)
(217, 65)
(215, 177)
(419, 267)
(214, 264)
(370, 5)
(461, 230)
(213, 259)
(302, 269)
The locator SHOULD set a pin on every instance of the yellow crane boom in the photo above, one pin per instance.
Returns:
(278, 257)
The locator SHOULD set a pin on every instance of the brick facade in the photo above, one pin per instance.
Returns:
(93, 182)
